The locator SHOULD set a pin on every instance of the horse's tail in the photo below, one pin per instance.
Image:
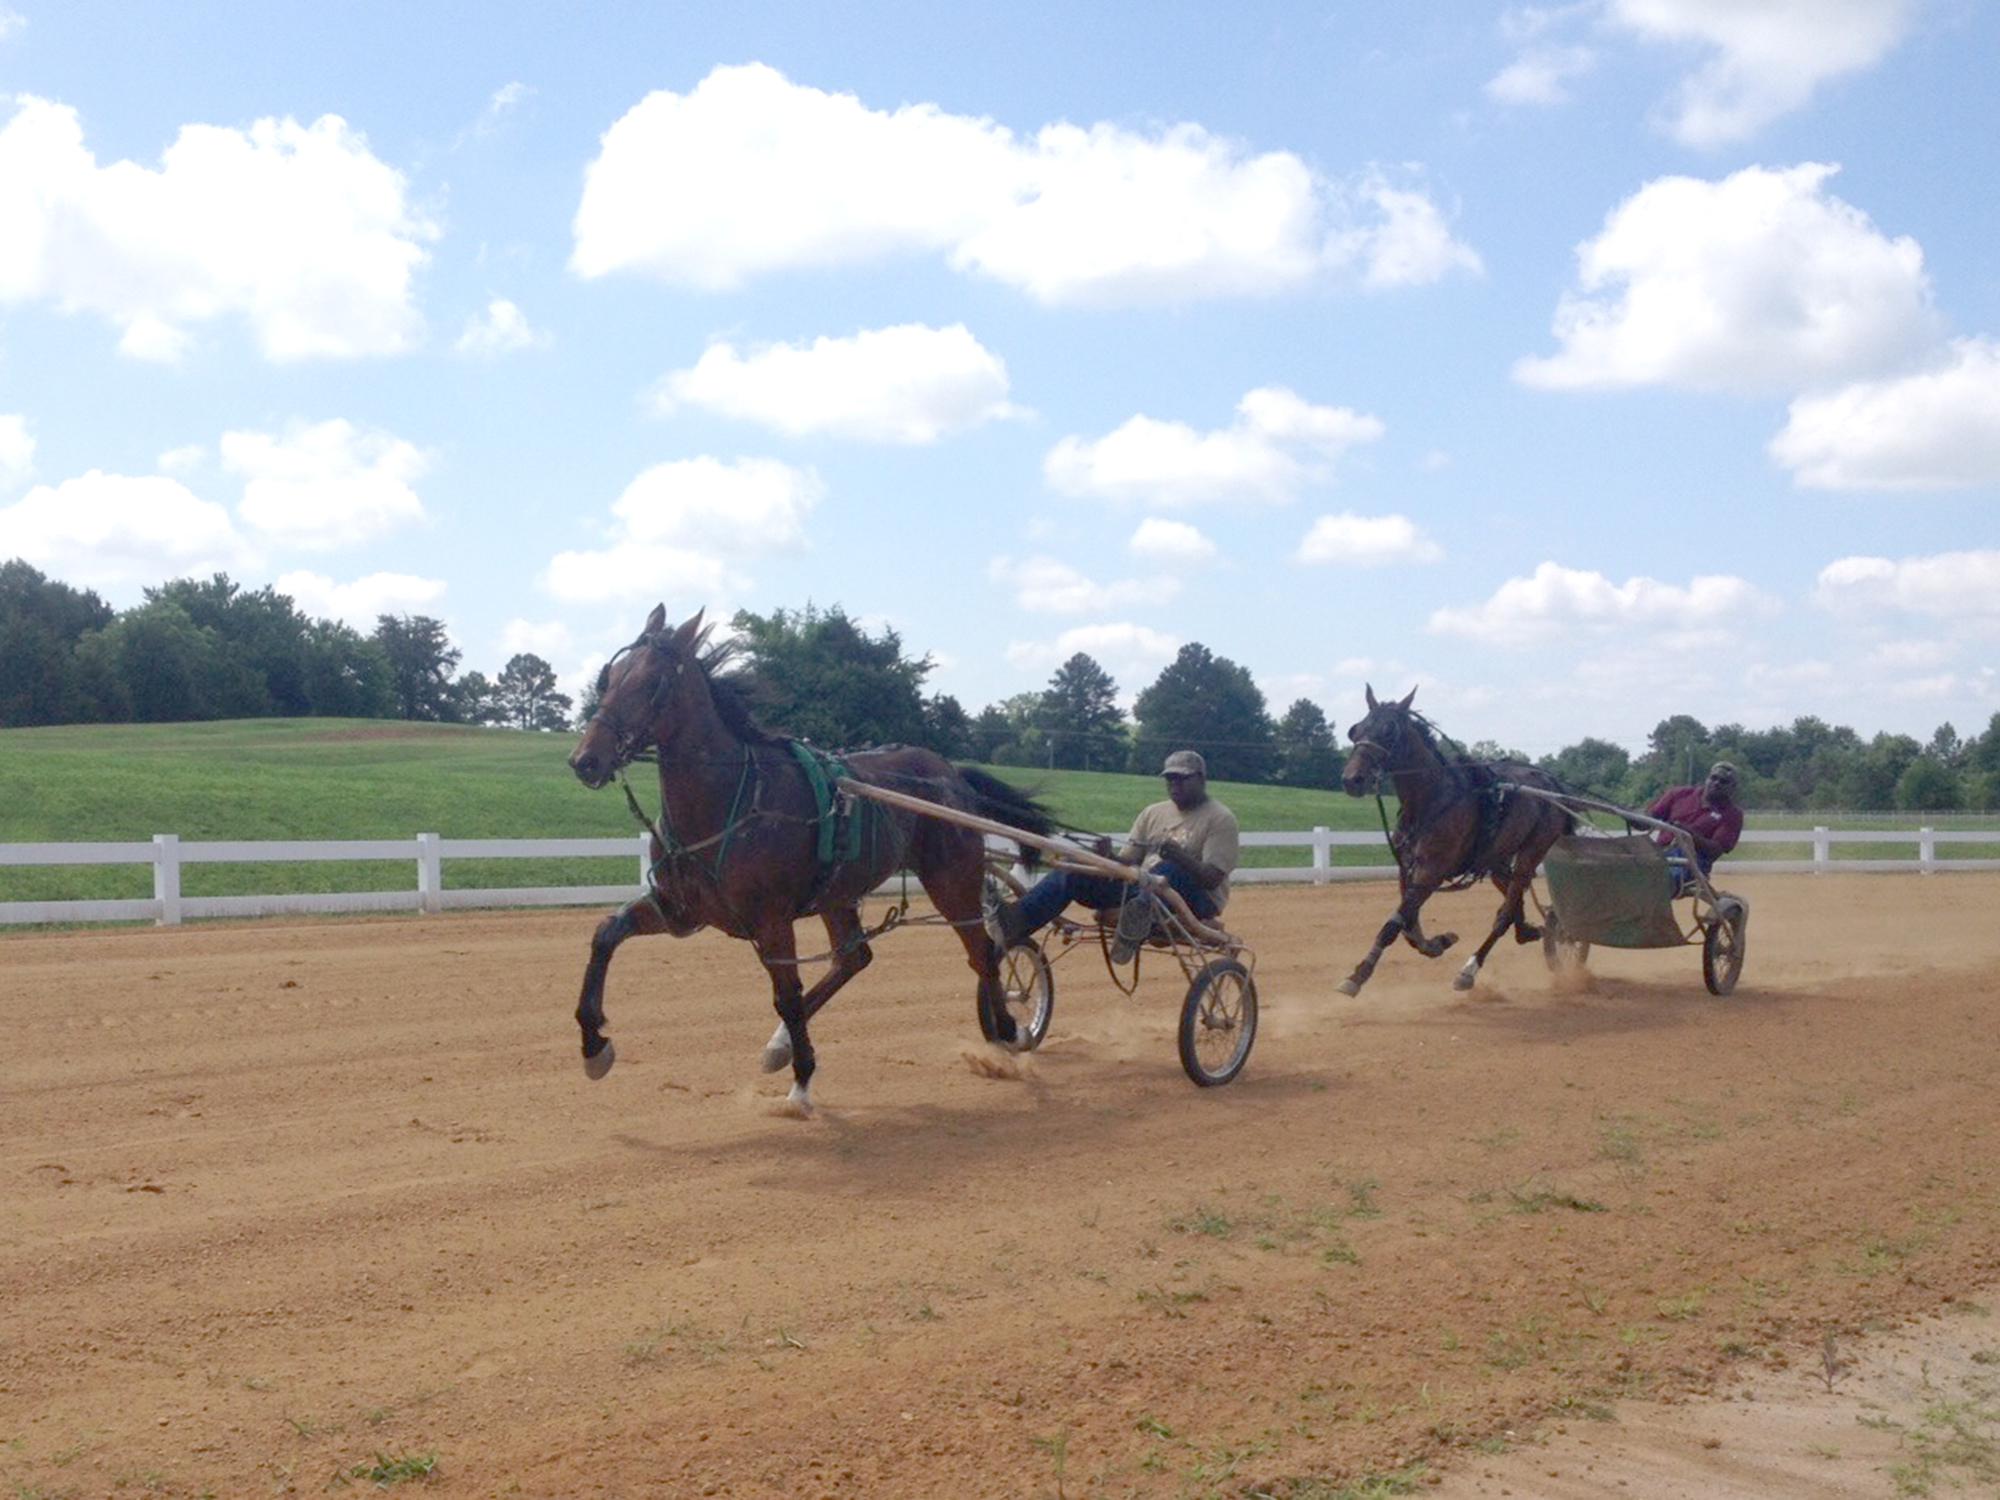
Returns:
(1006, 803)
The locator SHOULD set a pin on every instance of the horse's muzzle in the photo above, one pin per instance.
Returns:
(1354, 786)
(590, 769)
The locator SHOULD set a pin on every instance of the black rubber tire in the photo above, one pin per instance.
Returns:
(1028, 990)
(1221, 1001)
(1722, 948)
(1561, 953)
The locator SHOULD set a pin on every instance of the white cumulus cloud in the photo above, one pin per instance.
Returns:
(1278, 443)
(17, 450)
(1954, 586)
(1936, 429)
(1766, 57)
(907, 384)
(1540, 75)
(1171, 542)
(628, 570)
(298, 229)
(359, 602)
(117, 532)
(1046, 585)
(548, 639)
(677, 525)
(1761, 282)
(500, 328)
(1556, 600)
(749, 173)
(325, 484)
(1367, 541)
(751, 505)
(1128, 652)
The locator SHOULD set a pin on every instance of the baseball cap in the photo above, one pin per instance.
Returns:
(1185, 763)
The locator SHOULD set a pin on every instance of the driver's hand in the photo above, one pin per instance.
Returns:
(1102, 845)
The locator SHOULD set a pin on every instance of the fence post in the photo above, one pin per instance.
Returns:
(1822, 851)
(1927, 851)
(645, 861)
(1322, 853)
(167, 878)
(430, 873)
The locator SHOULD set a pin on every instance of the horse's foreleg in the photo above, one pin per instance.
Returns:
(1405, 918)
(1430, 947)
(850, 956)
(1509, 915)
(1413, 930)
(779, 952)
(638, 919)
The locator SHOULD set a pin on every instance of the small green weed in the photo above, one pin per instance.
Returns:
(386, 1471)
(1203, 1221)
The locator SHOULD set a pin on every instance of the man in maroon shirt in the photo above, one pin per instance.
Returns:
(1708, 814)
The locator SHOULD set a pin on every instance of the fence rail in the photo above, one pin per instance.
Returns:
(427, 853)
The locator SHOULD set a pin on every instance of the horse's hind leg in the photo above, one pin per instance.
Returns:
(951, 863)
(638, 919)
(850, 956)
(1509, 915)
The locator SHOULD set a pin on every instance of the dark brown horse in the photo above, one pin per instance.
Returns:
(738, 843)
(1457, 824)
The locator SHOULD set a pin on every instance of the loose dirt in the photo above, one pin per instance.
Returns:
(292, 1206)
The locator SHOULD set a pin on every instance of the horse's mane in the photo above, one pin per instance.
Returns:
(732, 692)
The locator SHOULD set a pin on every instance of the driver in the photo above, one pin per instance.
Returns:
(1190, 840)
(1707, 814)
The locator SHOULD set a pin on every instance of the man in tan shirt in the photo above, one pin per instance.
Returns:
(1190, 840)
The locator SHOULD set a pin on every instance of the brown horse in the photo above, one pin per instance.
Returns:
(1457, 824)
(740, 843)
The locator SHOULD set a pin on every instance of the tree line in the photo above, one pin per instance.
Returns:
(213, 649)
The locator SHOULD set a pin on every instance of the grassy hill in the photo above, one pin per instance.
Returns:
(348, 778)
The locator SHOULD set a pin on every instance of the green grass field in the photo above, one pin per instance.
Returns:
(353, 779)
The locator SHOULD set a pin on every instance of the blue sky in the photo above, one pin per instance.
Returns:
(1577, 364)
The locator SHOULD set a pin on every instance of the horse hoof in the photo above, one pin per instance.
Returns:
(596, 1067)
(1445, 940)
(1349, 988)
(776, 1057)
(1463, 981)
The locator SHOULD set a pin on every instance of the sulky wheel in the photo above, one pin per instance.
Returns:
(1028, 990)
(1218, 1022)
(1722, 947)
(1563, 953)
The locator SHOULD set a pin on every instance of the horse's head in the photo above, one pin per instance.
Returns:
(635, 698)
(1378, 742)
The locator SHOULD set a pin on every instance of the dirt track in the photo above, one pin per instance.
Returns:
(285, 1200)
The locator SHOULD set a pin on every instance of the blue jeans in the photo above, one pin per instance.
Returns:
(1053, 894)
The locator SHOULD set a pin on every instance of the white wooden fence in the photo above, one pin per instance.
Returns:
(427, 852)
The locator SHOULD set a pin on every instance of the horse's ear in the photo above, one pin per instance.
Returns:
(1405, 704)
(656, 621)
(690, 628)
(1369, 689)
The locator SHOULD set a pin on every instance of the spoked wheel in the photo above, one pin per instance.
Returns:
(1722, 947)
(1218, 1022)
(1028, 990)
(1563, 953)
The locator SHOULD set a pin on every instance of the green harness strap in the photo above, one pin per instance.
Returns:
(839, 838)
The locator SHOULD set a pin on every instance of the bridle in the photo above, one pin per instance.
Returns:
(1382, 752)
(629, 744)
